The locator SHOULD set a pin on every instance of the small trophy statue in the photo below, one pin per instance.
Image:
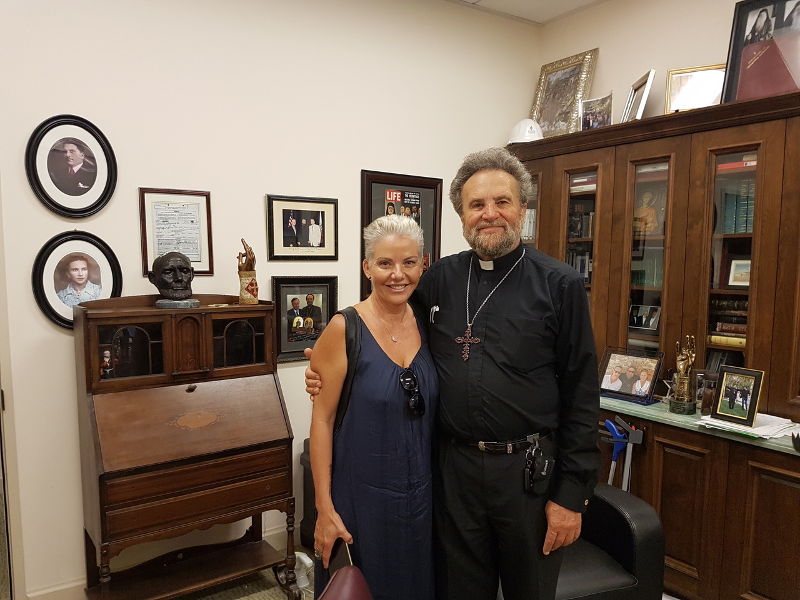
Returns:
(684, 402)
(248, 286)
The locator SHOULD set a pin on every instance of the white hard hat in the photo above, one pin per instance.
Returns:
(526, 130)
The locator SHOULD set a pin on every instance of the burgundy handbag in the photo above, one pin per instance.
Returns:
(347, 583)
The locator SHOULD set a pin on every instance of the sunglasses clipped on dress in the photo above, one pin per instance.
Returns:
(416, 403)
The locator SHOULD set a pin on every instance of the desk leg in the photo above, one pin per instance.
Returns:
(285, 573)
(255, 533)
(105, 567)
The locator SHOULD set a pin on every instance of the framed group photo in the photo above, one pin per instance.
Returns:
(563, 84)
(303, 308)
(630, 374)
(300, 228)
(644, 317)
(738, 392)
(70, 166)
(73, 267)
(763, 57)
(176, 221)
(596, 112)
(417, 197)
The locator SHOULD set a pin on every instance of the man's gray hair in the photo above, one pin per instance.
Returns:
(491, 159)
(390, 225)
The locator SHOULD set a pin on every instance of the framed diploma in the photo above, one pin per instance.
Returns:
(176, 221)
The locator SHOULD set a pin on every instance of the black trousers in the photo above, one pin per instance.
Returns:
(488, 528)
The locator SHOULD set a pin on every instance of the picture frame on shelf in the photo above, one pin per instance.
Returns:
(630, 374)
(637, 97)
(596, 112)
(644, 317)
(739, 273)
(70, 268)
(694, 87)
(302, 228)
(762, 53)
(303, 308)
(176, 221)
(737, 395)
(70, 166)
(420, 197)
(562, 86)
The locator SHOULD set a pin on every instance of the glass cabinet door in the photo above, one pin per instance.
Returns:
(647, 253)
(530, 224)
(581, 205)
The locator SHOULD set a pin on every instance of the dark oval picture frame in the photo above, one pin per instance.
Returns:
(51, 278)
(70, 166)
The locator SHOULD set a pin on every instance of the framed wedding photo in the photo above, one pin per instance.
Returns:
(562, 85)
(637, 97)
(694, 87)
(176, 221)
(630, 374)
(300, 228)
(70, 166)
(73, 267)
(737, 395)
(763, 57)
(303, 308)
(417, 197)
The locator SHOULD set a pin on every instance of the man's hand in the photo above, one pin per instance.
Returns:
(563, 527)
(313, 381)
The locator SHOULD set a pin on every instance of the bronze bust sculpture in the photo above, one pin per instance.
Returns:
(172, 274)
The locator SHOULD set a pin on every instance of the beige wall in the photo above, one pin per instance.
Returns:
(242, 98)
(637, 35)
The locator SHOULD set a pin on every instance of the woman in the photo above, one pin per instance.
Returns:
(642, 385)
(372, 477)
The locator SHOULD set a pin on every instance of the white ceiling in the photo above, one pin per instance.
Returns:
(535, 11)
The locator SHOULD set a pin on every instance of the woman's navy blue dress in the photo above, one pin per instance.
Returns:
(381, 482)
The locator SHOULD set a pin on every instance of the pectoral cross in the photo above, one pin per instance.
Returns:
(466, 340)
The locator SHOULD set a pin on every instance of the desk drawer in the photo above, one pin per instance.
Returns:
(172, 480)
(197, 506)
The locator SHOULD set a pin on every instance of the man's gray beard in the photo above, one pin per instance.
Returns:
(505, 242)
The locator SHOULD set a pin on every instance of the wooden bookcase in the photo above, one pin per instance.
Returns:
(182, 427)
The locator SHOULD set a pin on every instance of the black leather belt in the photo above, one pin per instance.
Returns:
(511, 447)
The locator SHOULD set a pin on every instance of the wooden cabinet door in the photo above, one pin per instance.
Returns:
(648, 245)
(783, 396)
(762, 521)
(732, 244)
(689, 492)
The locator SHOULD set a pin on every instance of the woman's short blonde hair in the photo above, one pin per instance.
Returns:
(391, 225)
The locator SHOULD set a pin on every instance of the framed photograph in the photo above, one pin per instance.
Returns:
(417, 197)
(73, 267)
(630, 374)
(694, 87)
(763, 57)
(562, 86)
(303, 307)
(595, 112)
(739, 274)
(738, 391)
(176, 221)
(637, 97)
(302, 228)
(70, 166)
(644, 317)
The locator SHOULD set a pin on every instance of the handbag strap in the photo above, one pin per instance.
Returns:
(352, 340)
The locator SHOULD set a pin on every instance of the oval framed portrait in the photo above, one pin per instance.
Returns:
(71, 166)
(73, 267)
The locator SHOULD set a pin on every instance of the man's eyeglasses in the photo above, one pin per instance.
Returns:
(408, 381)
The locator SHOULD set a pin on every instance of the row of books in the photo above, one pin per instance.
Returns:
(648, 271)
(581, 222)
(581, 262)
(727, 339)
(529, 225)
(737, 208)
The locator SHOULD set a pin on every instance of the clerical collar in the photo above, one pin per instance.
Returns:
(502, 263)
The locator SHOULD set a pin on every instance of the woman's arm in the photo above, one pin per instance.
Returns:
(330, 361)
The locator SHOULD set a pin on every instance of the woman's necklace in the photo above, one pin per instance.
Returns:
(394, 338)
(467, 338)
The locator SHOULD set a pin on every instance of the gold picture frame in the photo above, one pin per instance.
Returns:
(562, 86)
(694, 87)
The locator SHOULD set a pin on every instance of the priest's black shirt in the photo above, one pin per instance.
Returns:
(534, 369)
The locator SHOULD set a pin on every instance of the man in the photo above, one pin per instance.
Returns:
(627, 381)
(314, 234)
(74, 175)
(79, 287)
(415, 214)
(612, 381)
(290, 233)
(172, 274)
(302, 234)
(310, 310)
(293, 313)
(510, 332)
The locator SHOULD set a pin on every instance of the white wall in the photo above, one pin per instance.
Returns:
(636, 35)
(242, 98)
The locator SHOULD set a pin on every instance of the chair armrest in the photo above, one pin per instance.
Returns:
(629, 530)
